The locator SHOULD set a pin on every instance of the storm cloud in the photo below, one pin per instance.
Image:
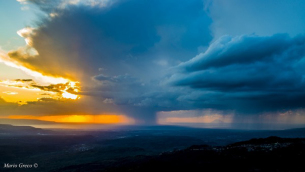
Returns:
(125, 37)
(120, 52)
(253, 72)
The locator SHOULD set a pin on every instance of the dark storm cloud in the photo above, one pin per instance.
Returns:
(125, 37)
(120, 52)
(246, 49)
(127, 90)
(249, 73)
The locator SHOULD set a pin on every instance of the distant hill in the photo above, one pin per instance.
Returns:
(259, 155)
(269, 140)
(6, 129)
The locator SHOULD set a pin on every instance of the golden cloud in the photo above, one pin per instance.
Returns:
(67, 90)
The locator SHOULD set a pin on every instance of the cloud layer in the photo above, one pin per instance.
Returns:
(254, 72)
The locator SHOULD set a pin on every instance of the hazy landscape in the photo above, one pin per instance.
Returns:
(149, 148)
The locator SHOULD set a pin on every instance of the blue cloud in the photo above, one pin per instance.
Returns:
(249, 72)
(244, 49)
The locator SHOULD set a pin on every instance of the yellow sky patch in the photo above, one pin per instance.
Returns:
(23, 96)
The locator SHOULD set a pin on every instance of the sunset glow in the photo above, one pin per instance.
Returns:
(91, 119)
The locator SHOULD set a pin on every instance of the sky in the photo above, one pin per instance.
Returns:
(194, 63)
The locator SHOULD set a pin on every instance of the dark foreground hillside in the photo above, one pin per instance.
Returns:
(269, 154)
(154, 148)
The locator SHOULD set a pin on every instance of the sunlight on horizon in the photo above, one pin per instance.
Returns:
(85, 119)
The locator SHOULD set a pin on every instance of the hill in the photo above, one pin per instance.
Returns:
(264, 154)
(6, 129)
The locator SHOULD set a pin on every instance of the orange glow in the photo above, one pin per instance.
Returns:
(91, 119)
